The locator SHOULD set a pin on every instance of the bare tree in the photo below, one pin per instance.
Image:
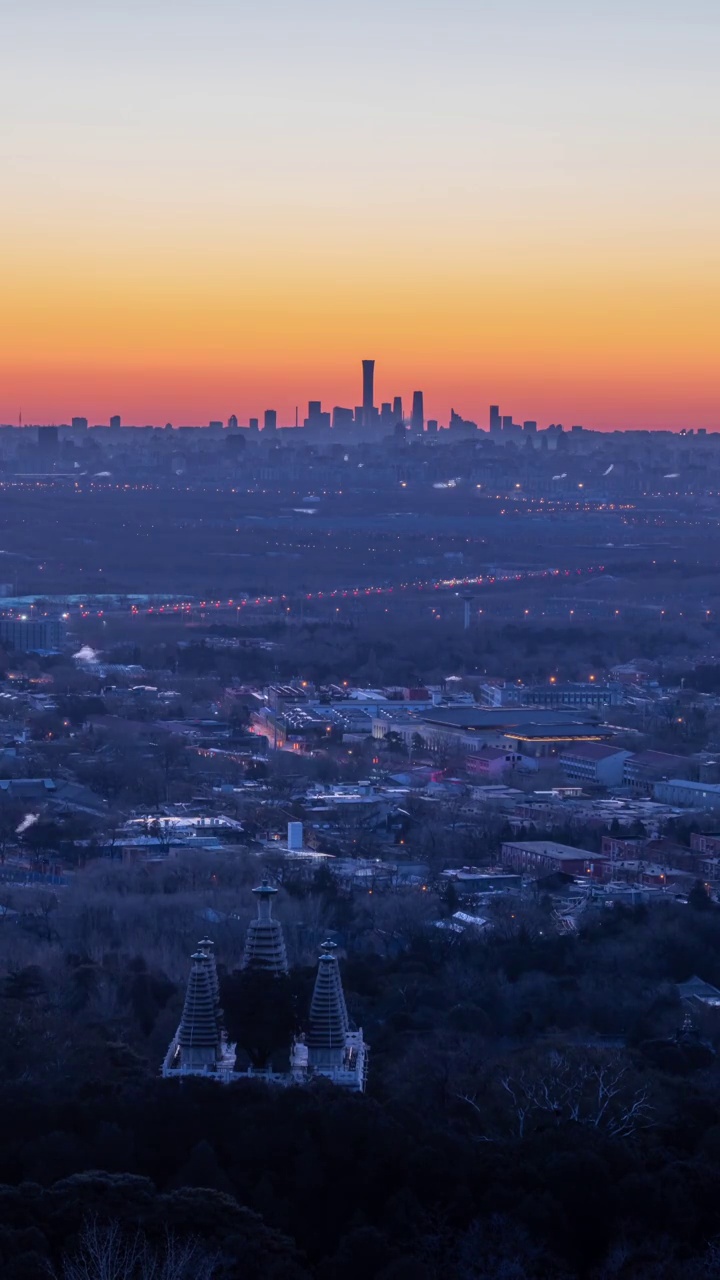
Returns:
(107, 1252)
(590, 1092)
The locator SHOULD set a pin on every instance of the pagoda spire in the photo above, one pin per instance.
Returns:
(198, 1036)
(207, 946)
(264, 942)
(328, 1024)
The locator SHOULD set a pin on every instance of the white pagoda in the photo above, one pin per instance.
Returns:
(328, 1048)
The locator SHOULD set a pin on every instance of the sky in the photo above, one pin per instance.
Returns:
(217, 206)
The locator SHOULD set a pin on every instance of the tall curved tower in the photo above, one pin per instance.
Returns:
(368, 367)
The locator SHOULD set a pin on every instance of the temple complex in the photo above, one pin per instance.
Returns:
(327, 1047)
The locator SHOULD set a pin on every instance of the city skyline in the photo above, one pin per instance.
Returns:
(211, 210)
(365, 412)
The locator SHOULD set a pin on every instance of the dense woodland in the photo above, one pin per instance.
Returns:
(397, 651)
(532, 1110)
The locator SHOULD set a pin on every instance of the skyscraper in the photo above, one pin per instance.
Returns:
(417, 421)
(397, 409)
(342, 417)
(368, 368)
(495, 419)
(315, 415)
(270, 420)
(48, 440)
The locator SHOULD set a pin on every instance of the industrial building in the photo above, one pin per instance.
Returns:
(688, 795)
(32, 635)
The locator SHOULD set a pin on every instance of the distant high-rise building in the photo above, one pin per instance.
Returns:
(254, 424)
(48, 440)
(507, 422)
(79, 424)
(530, 426)
(270, 420)
(495, 419)
(232, 422)
(368, 368)
(397, 409)
(216, 425)
(316, 417)
(342, 417)
(458, 423)
(431, 426)
(417, 421)
(116, 421)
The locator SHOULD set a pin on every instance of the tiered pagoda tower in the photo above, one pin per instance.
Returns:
(333, 1049)
(198, 1037)
(264, 942)
(207, 947)
(328, 1023)
(330, 1048)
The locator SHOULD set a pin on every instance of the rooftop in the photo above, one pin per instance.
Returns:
(592, 751)
(498, 718)
(551, 848)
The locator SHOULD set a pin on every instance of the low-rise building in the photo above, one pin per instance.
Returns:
(706, 843)
(495, 762)
(594, 763)
(545, 857)
(469, 881)
(557, 695)
(644, 768)
(686, 794)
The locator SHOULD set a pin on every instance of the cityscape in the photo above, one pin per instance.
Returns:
(360, 641)
(365, 422)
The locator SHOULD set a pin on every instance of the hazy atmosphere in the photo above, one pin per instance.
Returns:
(208, 207)
(359, 641)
